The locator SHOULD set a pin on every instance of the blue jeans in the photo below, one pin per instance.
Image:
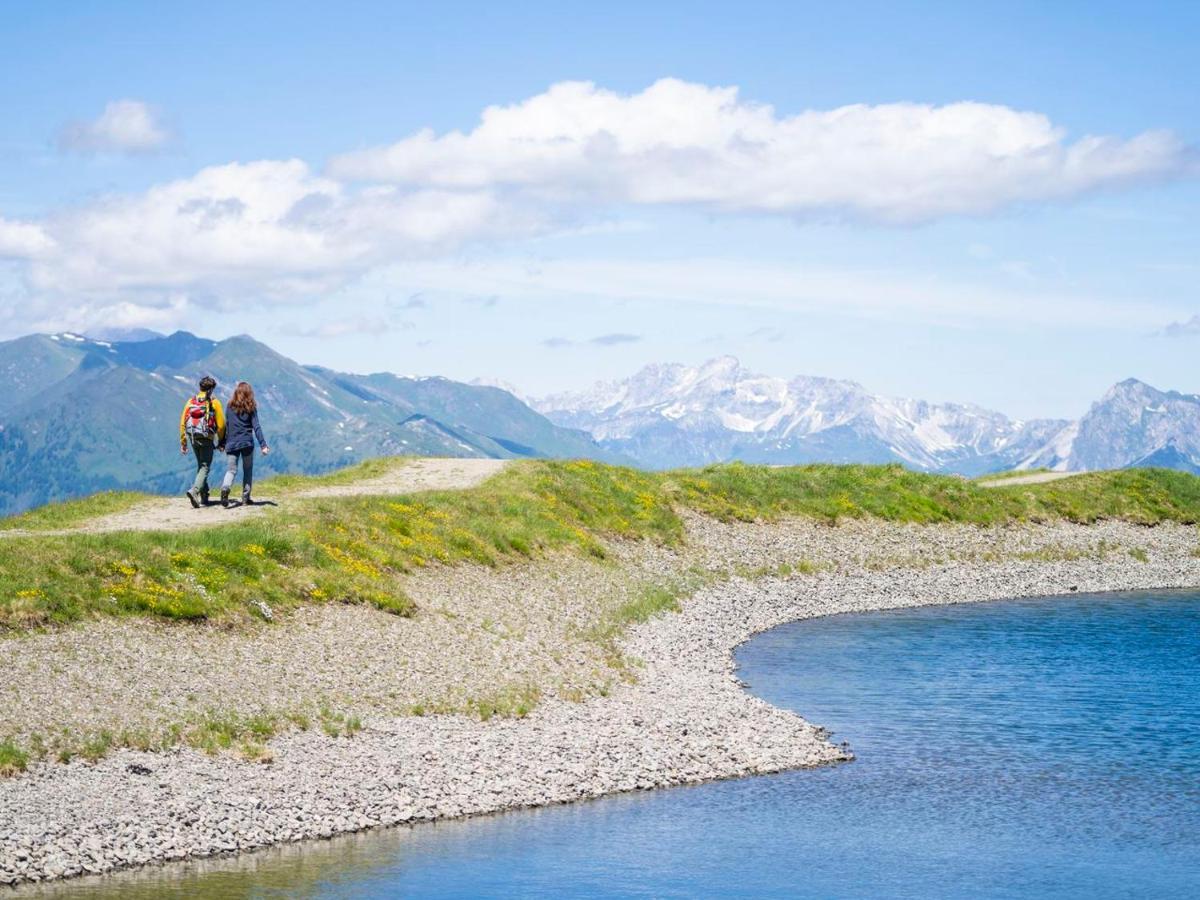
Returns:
(246, 455)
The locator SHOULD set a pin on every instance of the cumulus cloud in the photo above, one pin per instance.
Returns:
(1187, 328)
(125, 126)
(268, 230)
(277, 230)
(682, 143)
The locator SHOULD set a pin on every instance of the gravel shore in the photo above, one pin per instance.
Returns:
(685, 718)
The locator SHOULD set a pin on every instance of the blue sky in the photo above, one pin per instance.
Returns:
(229, 171)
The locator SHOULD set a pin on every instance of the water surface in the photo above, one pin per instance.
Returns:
(1032, 748)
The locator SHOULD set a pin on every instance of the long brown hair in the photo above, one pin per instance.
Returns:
(243, 398)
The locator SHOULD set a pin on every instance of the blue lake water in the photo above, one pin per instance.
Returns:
(1032, 748)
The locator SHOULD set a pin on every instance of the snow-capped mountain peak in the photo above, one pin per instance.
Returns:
(677, 415)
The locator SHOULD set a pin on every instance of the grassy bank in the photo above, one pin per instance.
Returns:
(349, 549)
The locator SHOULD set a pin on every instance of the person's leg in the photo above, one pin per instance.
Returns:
(204, 455)
(227, 481)
(247, 473)
(230, 471)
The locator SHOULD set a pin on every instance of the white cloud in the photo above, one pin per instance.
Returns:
(265, 230)
(681, 143)
(23, 240)
(275, 230)
(125, 126)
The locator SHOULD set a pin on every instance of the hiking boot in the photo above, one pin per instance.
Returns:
(225, 497)
(246, 501)
(195, 500)
(204, 497)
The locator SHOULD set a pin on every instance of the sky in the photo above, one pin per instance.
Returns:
(993, 203)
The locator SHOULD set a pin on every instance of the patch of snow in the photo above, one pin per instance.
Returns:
(323, 401)
(674, 411)
(735, 422)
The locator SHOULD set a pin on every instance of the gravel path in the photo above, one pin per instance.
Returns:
(684, 720)
(1036, 478)
(176, 514)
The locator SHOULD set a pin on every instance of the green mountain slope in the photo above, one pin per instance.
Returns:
(91, 415)
(480, 409)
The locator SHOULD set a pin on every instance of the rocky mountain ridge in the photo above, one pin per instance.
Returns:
(672, 415)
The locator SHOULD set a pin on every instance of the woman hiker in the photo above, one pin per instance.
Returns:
(243, 429)
(203, 422)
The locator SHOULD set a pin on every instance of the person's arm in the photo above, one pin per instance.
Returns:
(183, 428)
(219, 412)
(262, 441)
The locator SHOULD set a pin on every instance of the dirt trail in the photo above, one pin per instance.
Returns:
(175, 514)
(1036, 478)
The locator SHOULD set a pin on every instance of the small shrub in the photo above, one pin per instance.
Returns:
(13, 759)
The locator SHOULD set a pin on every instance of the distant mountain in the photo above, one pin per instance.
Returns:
(674, 415)
(81, 414)
(1131, 423)
(1168, 456)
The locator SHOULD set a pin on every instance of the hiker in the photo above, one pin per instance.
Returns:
(202, 421)
(239, 442)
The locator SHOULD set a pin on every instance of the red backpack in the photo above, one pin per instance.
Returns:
(200, 420)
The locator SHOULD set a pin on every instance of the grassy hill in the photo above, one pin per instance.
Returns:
(79, 416)
(349, 549)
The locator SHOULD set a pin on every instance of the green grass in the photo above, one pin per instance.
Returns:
(350, 549)
(213, 732)
(647, 600)
(68, 513)
(13, 759)
(781, 570)
(892, 493)
(344, 549)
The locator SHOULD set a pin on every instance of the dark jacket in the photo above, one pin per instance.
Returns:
(241, 430)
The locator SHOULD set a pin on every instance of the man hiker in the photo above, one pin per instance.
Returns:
(203, 422)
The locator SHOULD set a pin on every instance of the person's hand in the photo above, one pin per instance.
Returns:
(183, 449)
(266, 450)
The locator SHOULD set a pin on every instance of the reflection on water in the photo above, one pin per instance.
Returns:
(1015, 749)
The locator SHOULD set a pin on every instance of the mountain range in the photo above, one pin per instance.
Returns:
(676, 415)
(81, 414)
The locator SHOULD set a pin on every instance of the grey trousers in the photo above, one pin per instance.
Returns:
(246, 455)
(204, 458)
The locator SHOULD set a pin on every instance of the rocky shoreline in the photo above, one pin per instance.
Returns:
(685, 720)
